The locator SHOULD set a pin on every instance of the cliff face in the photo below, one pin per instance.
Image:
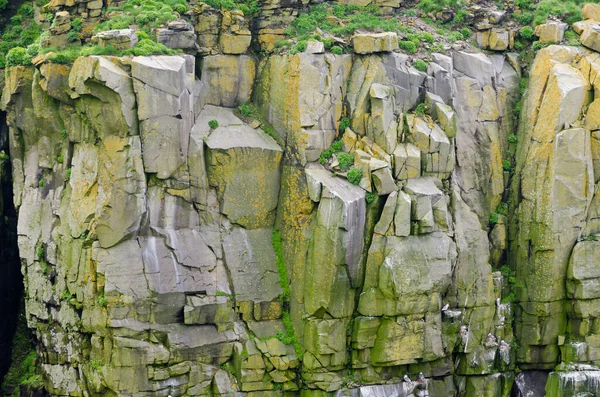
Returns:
(173, 244)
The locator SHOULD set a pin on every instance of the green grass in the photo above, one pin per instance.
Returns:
(420, 65)
(146, 14)
(248, 7)
(21, 31)
(353, 18)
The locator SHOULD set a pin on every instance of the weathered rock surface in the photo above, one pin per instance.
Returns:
(147, 208)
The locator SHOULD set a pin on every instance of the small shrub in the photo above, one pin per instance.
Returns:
(537, 45)
(247, 110)
(454, 37)
(213, 124)
(354, 175)
(513, 138)
(76, 25)
(336, 146)
(337, 50)
(344, 123)
(17, 56)
(525, 18)
(420, 65)
(526, 32)
(41, 183)
(421, 109)
(370, 197)
(493, 218)
(506, 165)
(408, 46)
(428, 37)
(466, 33)
(40, 253)
(345, 160)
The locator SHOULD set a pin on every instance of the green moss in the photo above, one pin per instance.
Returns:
(281, 267)
(506, 166)
(223, 293)
(513, 138)
(213, 124)
(493, 218)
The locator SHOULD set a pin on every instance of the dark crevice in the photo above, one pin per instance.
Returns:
(11, 280)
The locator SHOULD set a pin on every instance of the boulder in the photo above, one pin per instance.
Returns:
(591, 11)
(234, 43)
(368, 43)
(243, 164)
(122, 39)
(590, 37)
(551, 32)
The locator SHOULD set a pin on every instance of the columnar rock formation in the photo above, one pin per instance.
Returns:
(173, 244)
(145, 233)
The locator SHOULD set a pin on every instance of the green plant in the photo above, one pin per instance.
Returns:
(420, 65)
(345, 160)
(67, 175)
(225, 294)
(213, 124)
(506, 166)
(59, 159)
(17, 56)
(337, 50)
(247, 110)
(3, 155)
(326, 154)
(370, 197)
(96, 364)
(466, 33)
(44, 266)
(428, 37)
(512, 138)
(525, 18)
(102, 301)
(454, 36)
(281, 267)
(526, 32)
(354, 175)
(408, 46)
(537, 45)
(493, 218)
(40, 253)
(421, 109)
(63, 134)
(41, 183)
(344, 123)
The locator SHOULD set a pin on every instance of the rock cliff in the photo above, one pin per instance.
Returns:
(308, 223)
